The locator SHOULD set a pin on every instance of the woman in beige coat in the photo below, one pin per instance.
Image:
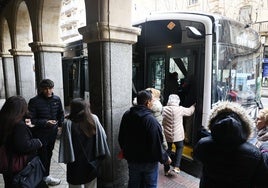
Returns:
(173, 128)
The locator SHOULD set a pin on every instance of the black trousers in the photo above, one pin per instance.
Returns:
(45, 153)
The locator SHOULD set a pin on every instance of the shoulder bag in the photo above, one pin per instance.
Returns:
(31, 175)
(93, 164)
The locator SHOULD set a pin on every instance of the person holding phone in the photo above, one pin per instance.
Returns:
(47, 116)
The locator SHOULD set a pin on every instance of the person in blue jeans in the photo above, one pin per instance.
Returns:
(140, 138)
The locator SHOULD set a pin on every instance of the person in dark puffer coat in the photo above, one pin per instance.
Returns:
(228, 159)
(47, 115)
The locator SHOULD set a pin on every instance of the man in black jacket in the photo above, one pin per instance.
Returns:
(140, 138)
(46, 115)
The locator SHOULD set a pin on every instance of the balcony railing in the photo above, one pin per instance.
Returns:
(69, 33)
(69, 7)
(261, 27)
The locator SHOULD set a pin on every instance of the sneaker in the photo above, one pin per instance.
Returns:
(51, 181)
(168, 174)
(176, 170)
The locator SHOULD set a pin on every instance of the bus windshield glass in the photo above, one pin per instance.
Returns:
(236, 73)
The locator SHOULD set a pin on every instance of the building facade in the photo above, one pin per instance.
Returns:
(73, 16)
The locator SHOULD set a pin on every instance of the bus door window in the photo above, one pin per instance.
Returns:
(177, 72)
(182, 72)
(171, 85)
(156, 71)
(75, 78)
(67, 85)
(72, 75)
(180, 66)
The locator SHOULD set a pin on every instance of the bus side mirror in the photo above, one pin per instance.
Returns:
(193, 33)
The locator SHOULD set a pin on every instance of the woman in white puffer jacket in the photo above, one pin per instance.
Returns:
(173, 128)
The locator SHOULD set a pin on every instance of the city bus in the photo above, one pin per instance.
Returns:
(214, 58)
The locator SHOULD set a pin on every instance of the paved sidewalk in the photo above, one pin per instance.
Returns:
(183, 180)
(58, 170)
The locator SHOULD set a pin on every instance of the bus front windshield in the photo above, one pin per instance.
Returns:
(236, 72)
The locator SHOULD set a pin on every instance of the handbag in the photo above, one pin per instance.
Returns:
(94, 165)
(31, 175)
(16, 164)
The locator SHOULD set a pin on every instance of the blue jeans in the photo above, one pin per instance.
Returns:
(143, 175)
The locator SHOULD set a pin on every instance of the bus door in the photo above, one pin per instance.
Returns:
(184, 66)
(75, 79)
(188, 63)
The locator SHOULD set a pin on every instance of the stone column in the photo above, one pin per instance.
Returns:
(24, 73)
(9, 75)
(2, 83)
(110, 38)
(48, 65)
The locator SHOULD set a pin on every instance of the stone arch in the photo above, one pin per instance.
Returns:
(5, 45)
(21, 36)
(46, 45)
(10, 14)
(7, 80)
(45, 15)
(23, 28)
(51, 20)
(5, 42)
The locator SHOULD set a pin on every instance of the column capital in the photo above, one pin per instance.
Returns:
(101, 31)
(46, 47)
(5, 54)
(16, 52)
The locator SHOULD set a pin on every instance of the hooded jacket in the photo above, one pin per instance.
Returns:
(173, 119)
(228, 159)
(140, 136)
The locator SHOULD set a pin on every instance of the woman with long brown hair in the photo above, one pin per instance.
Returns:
(83, 145)
(14, 133)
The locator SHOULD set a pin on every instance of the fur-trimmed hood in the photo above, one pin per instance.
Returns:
(229, 123)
